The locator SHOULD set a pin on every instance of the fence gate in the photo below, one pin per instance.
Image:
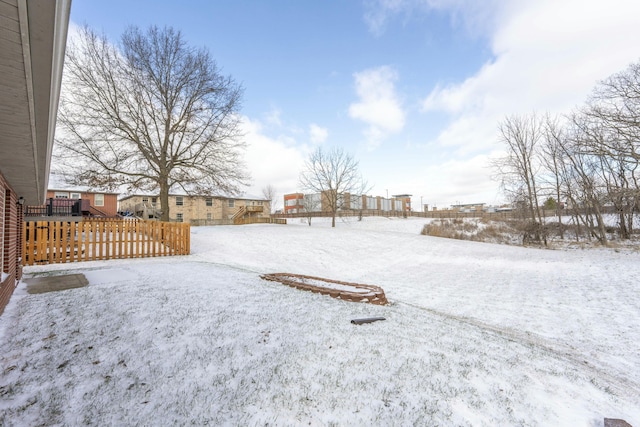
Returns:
(48, 242)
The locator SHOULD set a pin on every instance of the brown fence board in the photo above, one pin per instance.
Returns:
(64, 239)
(47, 242)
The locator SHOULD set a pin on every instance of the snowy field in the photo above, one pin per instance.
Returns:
(475, 334)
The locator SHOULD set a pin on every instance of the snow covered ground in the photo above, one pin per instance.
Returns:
(475, 334)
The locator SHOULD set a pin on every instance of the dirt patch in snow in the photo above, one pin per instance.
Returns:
(334, 288)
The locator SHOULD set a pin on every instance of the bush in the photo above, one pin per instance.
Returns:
(478, 230)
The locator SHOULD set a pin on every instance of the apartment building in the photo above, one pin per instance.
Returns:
(197, 210)
(75, 204)
(293, 203)
(299, 202)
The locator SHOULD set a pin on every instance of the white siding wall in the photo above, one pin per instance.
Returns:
(371, 203)
(356, 202)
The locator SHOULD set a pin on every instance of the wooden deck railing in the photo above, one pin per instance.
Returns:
(48, 242)
(260, 220)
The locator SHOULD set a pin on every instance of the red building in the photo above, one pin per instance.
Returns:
(293, 203)
(93, 203)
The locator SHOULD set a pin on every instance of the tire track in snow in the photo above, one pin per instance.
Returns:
(622, 386)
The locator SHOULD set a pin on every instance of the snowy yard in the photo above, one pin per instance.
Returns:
(476, 334)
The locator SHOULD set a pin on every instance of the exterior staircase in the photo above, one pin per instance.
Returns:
(238, 217)
(94, 212)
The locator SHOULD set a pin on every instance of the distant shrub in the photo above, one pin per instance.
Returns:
(471, 229)
(522, 231)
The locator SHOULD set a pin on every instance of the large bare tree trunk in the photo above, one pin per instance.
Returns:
(164, 201)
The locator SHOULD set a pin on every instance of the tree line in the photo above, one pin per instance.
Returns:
(581, 164)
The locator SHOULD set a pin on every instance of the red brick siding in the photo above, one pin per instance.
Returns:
(110, 207)
(298, 206)
(11, 237)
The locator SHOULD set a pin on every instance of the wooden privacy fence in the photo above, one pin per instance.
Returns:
(259, 220)
(48, 242)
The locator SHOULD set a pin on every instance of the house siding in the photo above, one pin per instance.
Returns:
(110, 207)
(11, 241)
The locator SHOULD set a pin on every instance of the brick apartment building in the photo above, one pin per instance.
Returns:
(33, 36)
(293, 203)
(197, 210)
(299, 202)
(99, 203)
(76, 204)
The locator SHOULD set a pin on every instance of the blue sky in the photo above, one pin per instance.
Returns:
(414, 89)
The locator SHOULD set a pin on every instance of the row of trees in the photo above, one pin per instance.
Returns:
(152, 113)
(589, 158)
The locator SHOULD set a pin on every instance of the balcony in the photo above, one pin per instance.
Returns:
(58, 207)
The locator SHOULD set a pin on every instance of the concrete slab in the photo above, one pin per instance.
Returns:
(40, 285)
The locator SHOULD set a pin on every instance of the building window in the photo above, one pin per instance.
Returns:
(179, 217)
(209, 216)
(98, 200)
(179, 201)
(145, 199)
(75, 195)
(61, 195)
(209, 201)
(232, 203)
(154, 199)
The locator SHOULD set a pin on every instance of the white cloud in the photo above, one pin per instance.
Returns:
(378, 104)
(274, 161)
(273, 116)
(378, 12)
(548, 56)
(478, 17)
(457, 180)
(317, 134)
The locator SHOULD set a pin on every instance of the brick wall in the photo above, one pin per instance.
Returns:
(194, 208)
(293, 202)
(10, 237)
(109, 207)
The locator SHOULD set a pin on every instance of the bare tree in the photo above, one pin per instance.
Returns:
(614, 109)
(518, 169)
(152, 114)
(332, 174)
(269, 193)
(615, 102)
(551, 156)
(311, 205)
(592, 160)
(587, 188)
